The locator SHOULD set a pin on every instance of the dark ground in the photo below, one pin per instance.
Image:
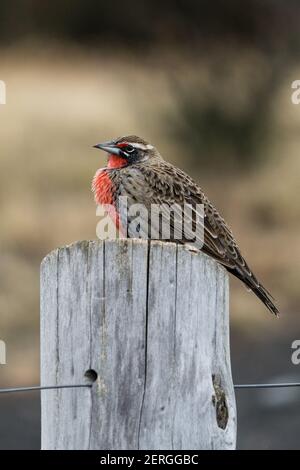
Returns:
(267, 419)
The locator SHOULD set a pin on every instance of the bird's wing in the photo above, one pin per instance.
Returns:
(169, 186)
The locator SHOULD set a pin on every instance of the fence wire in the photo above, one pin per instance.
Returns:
(42, 387)
(280, 385)
(53, 387)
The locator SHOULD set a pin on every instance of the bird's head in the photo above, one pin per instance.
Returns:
(127, 150)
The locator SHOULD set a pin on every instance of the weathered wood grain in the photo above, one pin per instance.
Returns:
(152, 320)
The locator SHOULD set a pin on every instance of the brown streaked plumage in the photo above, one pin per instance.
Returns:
(137, 170)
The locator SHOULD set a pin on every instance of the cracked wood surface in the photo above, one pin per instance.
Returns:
(152, 320)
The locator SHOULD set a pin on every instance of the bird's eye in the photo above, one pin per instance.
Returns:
(129, 149)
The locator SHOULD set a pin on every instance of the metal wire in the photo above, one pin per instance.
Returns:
(53, 387)
(282, 385)
(45, 387)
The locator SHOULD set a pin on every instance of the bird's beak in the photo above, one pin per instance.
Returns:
(108, 147)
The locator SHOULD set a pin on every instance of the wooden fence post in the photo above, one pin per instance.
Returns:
(152, 320)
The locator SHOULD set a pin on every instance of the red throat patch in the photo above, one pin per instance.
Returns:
(115, 161)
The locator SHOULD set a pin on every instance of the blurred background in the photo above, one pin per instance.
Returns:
(209, 83)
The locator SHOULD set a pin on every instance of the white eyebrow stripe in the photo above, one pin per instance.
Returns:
(142, 146)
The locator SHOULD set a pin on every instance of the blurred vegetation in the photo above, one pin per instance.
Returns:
(226, 121)
(139, 23)
(208, 83)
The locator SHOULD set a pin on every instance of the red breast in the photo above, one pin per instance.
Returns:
(104, 189)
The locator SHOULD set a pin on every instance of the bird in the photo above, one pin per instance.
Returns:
(136, 170)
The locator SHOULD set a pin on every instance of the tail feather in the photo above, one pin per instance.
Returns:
(259, 290)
